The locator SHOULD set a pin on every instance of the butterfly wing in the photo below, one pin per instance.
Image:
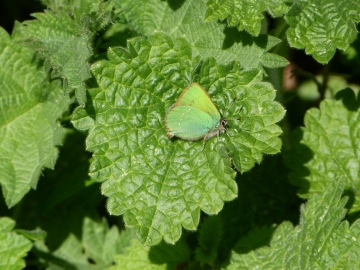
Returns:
(188, 123)
(195, 96)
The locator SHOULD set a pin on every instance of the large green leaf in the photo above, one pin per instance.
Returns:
(161, 184)
(62, 37)
(93, 15)
(12, 245)
(133, 255)
(78, 239)
(265, 198)
(245, 14)
(64, 45)
(327, 149)
(207, 39)
(320, 241)
(29, 132)
(322, 26)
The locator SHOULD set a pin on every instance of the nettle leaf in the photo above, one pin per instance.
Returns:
(76, 241)
(322, 26)
(30, 106)
(210, 234)
(326, 149)
(94, 14)
(136, 256)
(162, 257)
(207, 39)
(36, 234)
(320, 241)
(160, 184)
(12, 245)
(64, 44)
(245, 14)
(265, 198)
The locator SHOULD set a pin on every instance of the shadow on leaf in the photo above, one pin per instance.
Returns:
(175, 4)
(232, 36)
(348, 98)
(174, 256)
(295, 160)
(265, 198)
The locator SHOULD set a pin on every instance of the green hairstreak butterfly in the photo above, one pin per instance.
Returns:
(194, 116)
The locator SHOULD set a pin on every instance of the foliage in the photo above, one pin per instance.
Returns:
(90, 179)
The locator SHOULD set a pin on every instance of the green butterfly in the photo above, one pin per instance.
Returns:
(194, 116)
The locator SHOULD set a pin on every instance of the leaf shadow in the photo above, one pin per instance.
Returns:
(265, 198)
(351, 194)
(348, 98)
(296, 158)
(352, 103)
(174, 256)
(256, 238)
(175, 4)
(48, 257)
(232, 36)
(89, 106)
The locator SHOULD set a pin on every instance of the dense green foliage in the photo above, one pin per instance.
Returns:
(90, 179)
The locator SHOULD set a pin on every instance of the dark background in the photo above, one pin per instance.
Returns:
(17, 10)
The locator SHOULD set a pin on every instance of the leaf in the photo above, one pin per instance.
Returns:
(256, 238)
(29, 131)
(158, 184)
(12, 245)
(207, 39)
(136, 256)
(210, 234)
(350, 60)
(259, 115)
(78, 239)
(63, 36)
(69, 180)
(162, 256)
(64, 44)
(265, 198)
(320, 241)
(322, 26)
(33, 235)
(91, 14)
(326, 149)
(245, 14)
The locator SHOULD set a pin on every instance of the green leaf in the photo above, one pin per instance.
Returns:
(210, 233)
(28, 128)
(259, 115)
(78, 239)
(256, 238)
(265, 198)
(322, 26)
(12, 245)
(160, 257)
(207, 39)
(245, 14)
(92, 14)
(326, 149)
(64, 44)
(33, 235)
(320, 241)
(136, 256)
(158, 184)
